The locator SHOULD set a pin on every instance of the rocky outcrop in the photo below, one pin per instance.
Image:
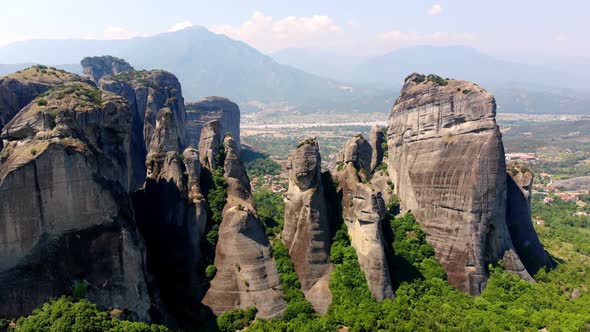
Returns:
(246, 272)
(209, 109)
(171, 215)
(210, 144)
(446, 160)
(147, 93)
(19, 89)
(98, 66)
(358, 151)
(65, 215)
(306, 229)
(376, 141)
(519, 181)
(363, 212)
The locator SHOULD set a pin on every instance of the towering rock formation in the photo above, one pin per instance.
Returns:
(147, 93)
(306, 229)
(171, 215)
(376, 140)
(212, 108)
(210, 144)
(98, 66)
(363, 211)
(246, 272)
(519, 180)
(65, 215)
(446, 159)
(19, 89)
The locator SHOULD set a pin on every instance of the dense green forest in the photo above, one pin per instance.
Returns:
(424, 300)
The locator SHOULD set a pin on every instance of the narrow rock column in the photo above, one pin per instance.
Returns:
(246, 271)
(306, 230)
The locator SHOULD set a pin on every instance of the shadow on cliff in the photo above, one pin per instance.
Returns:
(160, 210)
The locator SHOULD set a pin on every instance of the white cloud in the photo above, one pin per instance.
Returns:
(269, 34)
(400, 38)
(435, 10)
(180, 26)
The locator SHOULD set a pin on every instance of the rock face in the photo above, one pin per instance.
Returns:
(98, 66)
(171, 215)
(363, 212)
(306, 229)
(210, 144)
(209, 109)
(19, 89)
(446, 160)
(147, 93)
(519, 181)
(246, 272)
(65, 215)
(376, 140)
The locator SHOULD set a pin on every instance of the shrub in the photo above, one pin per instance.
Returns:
(234, 320)
(79, 290)
(41, 102)
(211, 271)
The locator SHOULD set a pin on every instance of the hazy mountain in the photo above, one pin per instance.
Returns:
(206, 64)
(324, 63)
(519, 88)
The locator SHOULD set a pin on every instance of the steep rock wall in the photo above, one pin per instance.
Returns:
(446, 160)
(306, 229)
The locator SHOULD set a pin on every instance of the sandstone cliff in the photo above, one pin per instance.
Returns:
(306, 229)
(209, 109)
(363, 212)
(147, 93)
(98, 66)
(171, 215)
(65, 216)
(446, 160)
(246, 272)
(20, 88)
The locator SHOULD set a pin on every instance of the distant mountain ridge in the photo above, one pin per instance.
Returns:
(213, 64)
(206, 64)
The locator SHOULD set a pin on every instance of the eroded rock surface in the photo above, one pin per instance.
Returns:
(147, 93)
(446, 160)
(306, 229)
(363, 212)
(376, 140)
(212, 108)
(65, 215)
(246, 272)
(19, 89)
(210, 144)
(171, 215)
(96, 67)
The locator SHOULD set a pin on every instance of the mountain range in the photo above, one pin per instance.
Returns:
(307, 81)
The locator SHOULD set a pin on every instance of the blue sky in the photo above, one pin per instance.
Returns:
(511, 28)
